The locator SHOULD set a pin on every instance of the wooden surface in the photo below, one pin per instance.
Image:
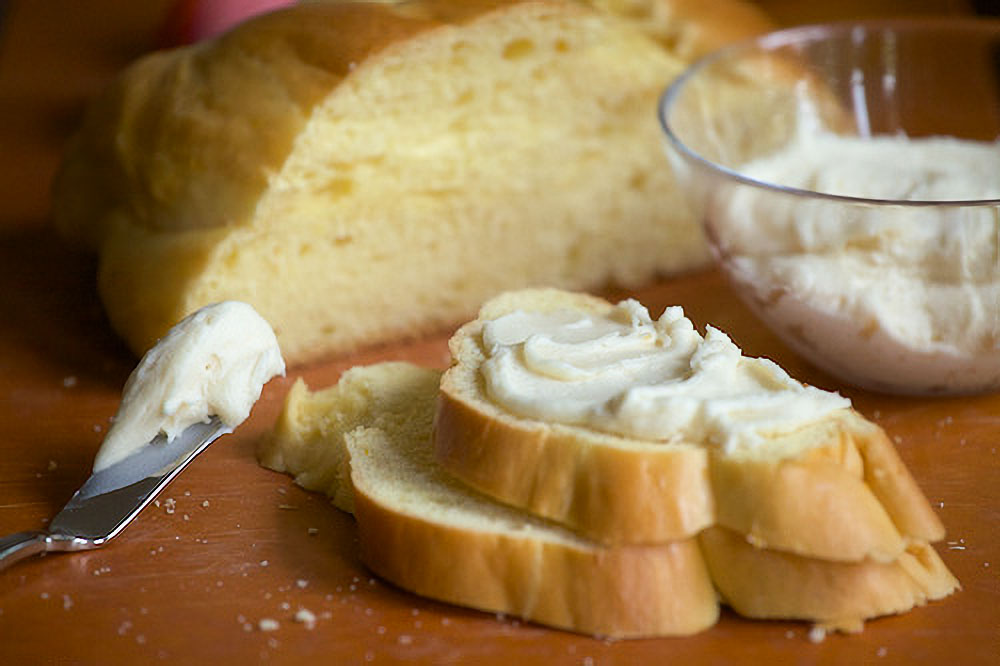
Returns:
(243, 544)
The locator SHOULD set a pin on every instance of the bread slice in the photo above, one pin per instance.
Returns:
(362, 172)
(369, 436)
(768, 584)
(429, 534)
(306, 440)
(834, 489)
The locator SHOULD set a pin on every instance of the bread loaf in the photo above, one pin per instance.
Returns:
(368, 437)
(833, 488)
(428, 534)
(361, 172)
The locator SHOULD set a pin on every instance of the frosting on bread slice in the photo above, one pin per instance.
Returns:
(721, 438)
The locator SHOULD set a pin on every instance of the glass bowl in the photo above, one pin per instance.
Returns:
(848, 180)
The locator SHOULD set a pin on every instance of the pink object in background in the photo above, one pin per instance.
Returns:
(193, 20)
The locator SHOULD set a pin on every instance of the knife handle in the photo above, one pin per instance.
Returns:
(16, 547)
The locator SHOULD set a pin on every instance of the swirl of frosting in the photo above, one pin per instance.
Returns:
(626, 374)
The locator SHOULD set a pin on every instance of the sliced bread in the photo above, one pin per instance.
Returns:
(424, 531)
(306, 441)
(431, 535)
(832, 488)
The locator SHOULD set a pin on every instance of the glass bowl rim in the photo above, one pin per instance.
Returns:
(800, 34)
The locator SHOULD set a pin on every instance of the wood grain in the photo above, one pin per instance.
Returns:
(243, 544)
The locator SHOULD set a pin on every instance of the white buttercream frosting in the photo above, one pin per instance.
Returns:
(626, 374)
(900, 297)
(215, 362)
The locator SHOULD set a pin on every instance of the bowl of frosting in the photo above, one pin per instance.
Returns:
(848, 180)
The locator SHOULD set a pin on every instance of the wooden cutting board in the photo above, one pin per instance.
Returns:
(232, 544)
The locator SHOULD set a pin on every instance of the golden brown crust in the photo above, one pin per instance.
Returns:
(607, 493)
(817, 504)
(893, 484)
(767, 584)
(624, 592)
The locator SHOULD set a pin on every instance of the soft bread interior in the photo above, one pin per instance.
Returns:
(307, 438)
(450, 166)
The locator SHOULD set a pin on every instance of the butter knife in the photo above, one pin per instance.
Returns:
(111, 498)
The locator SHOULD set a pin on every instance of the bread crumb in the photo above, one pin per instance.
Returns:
(53, 465)
(169, 505)
(817, 634)
(312, 531)
(302, 583)
(268, 624)
(306, 617)
(69, 381)
(67, 602)
(124, 627)
(205, 504)
(881, 652)
(405, 639)
(263, 563)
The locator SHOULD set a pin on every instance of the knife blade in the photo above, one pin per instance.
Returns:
(111, 498)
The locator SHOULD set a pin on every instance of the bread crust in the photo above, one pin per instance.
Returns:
(823, 503)
(598, 486)
(617, 592)
(767, 584)
(847, 497)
